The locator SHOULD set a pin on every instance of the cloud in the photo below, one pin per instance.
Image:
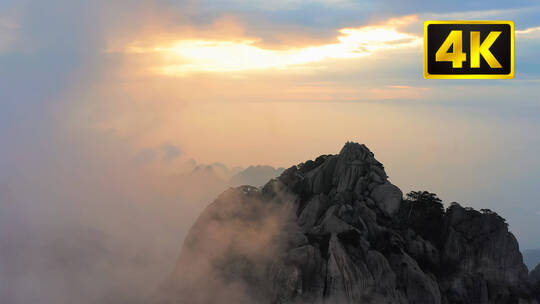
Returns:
(184, 57)
(528, 30)
(528, 35)
(288, 4)
(480, 14)
(236, 47)
(407, 87)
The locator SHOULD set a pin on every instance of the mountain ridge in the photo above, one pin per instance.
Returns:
(336, 230)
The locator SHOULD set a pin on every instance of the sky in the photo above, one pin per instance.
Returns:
(102, 103)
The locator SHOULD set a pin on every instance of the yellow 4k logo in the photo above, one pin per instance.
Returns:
(469, 49)
(457, 56)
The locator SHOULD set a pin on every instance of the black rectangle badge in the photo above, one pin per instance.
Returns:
(469, 49)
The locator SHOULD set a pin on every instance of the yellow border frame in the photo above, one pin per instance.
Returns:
(469, 76)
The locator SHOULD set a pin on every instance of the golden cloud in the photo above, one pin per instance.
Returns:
(186, 56)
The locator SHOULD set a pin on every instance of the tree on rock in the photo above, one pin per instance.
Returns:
(423, 211)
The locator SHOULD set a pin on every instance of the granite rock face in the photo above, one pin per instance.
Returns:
(335, 230)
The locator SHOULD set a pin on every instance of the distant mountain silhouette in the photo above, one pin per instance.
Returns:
(237, 176)
(531, 257)
(255, 175)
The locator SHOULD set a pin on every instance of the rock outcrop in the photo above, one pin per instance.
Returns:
(335, 230)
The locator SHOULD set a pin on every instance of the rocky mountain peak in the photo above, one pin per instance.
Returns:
(352, 151)
(350, 176)
(335, 230)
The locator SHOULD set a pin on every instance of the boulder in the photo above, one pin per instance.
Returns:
(387, 197)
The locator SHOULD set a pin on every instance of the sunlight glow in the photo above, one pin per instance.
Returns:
(188, 56)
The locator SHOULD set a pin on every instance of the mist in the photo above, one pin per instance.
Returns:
(105, 165)
(101, 230)
(231, 244)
